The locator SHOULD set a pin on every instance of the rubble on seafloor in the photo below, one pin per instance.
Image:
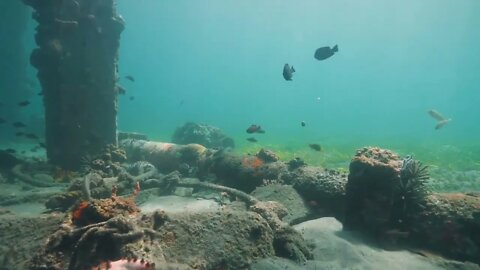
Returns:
(103, 223)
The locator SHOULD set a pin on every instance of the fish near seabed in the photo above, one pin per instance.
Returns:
(441, 121)
(288, 72)
(325, 52)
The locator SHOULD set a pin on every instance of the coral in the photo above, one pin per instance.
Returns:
(206, 135)
(95, 211)
(267, 155)
(253, 163)
(102, 240)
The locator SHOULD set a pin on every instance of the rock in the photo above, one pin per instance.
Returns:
(370, 187)
(206, 135)
(323, 190)
(131, 135)
(267, 155)
(450, 224)
(285, 194)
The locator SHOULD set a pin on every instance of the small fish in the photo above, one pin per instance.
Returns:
(255, 129)
(288, 72)
(18, 125)
(41, 144)
(130, 78)
(2, 121)
(441, 121)
(121, 90)
(40, 93)
(24, 103)
(34, 150)
(303, 124)
(252, 139)
(31, 136)
(325, 52)
(19, 134)
(10, 150)
(131, 98)
(315, 147)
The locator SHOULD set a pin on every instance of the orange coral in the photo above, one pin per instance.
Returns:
(253, 163)
(256, 163)
(78, 212)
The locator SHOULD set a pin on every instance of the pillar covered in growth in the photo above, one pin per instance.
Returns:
(76, 59)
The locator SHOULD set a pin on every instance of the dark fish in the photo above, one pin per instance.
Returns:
(24, 103)
(130, 78)
(40, 93)
(181, 102)
(19, 134)
(315, 147)
(303, 123)
(2, 121)
(255, 129)
(41, 144)
(121, 90)
(18, 125)
(252, 139)
(34, 150)
(10, 151)
(31, 136)
(288, 72)
(325, 52)
(131, 98)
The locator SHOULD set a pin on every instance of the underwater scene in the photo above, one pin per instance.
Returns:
(223, 134)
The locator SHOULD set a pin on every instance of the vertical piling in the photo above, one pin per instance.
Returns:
(76, 59)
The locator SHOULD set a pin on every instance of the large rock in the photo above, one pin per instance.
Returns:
(206, 135)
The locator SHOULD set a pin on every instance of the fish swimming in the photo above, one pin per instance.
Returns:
(325, 52)
(303, 123)
(18, 125)
(252, 139)
(23, 103)
(130, 78)
(10, 151)
(131, 98)
(121, 90)
(315, 147)
(288, 72)
(441, 121)
(31, 136)
(255, 129)
(19, 134)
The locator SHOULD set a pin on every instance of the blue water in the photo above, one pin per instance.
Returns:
(224, 61)
(220, 62)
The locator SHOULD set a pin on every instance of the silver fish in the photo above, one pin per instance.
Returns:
(441, 121)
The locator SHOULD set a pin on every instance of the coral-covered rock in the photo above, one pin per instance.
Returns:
(322, 189)
(206, 135)
(267, 155)
(450, 224)
(370, 188)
